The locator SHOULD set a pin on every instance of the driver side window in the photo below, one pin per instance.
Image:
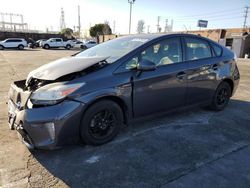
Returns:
(164, 52)
(131, 64)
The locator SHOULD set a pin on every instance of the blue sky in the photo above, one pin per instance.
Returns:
(185, 13)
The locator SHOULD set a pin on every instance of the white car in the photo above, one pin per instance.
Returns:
(18, 43)
(41, 42)
(78, 44)
(57, 43)
(88, 44)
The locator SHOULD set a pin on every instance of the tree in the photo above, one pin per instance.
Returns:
(140, 26)
(100, 29)
(67, 32)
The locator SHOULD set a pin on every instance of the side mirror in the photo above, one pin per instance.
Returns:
(146, 65)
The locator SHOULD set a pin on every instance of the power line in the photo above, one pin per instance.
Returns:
(210, 13)
(213, 16)
(194, 20)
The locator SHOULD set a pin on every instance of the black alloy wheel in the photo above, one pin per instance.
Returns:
(101, 122)
(221, 97)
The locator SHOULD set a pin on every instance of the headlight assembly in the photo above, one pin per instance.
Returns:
(53, 93)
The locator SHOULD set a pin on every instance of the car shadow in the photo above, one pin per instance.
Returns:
(15, 50)
(72, 49)
(129, 160)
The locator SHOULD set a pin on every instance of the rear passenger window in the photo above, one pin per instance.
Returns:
(197, 49)
(217, 49)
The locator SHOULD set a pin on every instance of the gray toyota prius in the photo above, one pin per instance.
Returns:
(88, 97)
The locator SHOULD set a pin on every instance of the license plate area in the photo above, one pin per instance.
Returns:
(11, 115)
(11, 120)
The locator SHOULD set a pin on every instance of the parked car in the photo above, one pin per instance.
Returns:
(88, 44)
(78, 44)
(40, 42)
(90, 95)
(57, 43)
(31, 43)
(17, 43)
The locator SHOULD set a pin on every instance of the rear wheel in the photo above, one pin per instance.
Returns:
(20, 47)
(101, 122)
(1, 47)
(221, 97)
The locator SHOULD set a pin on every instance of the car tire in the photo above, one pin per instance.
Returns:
(221, 97)
(46, 46)
(84, 47)
(68, 47)
(20, 47)
(101, 122)
(1, 47)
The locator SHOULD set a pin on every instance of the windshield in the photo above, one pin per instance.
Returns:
(114, 49)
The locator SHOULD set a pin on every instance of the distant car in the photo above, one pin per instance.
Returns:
(90, 95)
(40, 42)
(17, 43)
(88, 44)
(31, 43)
(57, 43)
(78, 44)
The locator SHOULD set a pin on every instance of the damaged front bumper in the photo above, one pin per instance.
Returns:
(45, 127)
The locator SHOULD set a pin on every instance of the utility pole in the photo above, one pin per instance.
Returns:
(245, 17)
(158, 24)
(79, 21)
(166, 26)
(148, 28)
(172, 23)
(131, 2)
(113, 27)
(62, 20)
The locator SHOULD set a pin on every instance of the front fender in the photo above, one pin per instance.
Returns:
(121, 93)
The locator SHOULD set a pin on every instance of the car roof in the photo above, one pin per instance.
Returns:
(159, 35)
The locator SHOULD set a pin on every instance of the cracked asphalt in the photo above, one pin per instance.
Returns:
(193, 148)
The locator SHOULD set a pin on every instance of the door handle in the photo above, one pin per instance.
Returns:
(180, 75)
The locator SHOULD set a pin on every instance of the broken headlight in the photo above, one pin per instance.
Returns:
(53, 93)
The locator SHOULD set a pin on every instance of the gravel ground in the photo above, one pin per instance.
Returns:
(195, 148)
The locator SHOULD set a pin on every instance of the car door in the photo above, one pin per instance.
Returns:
(164, 88)
(201, 74)
(58, 42)
(17, 43)
(9, 43)
(52, 43)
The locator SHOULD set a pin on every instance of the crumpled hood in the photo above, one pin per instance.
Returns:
(64, 66)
